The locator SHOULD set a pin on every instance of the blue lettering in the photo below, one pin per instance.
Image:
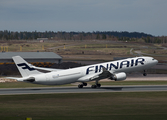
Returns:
(88, 69)
(112, 65)
(96, 69)
(139, 60)
(124, 63)
(132, 63)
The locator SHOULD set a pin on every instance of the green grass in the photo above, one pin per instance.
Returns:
(134, 83)
(26, 85)
(89, 106)
(102, 48)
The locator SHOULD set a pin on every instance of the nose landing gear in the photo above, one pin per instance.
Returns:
(144, 74)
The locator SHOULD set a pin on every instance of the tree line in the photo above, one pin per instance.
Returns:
(61, 35)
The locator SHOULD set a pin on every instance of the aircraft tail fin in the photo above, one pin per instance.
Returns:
(24, 68)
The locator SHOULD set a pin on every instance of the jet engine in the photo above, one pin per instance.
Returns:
(118, 76)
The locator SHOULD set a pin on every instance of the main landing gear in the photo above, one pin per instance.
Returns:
(81, 85)
(97, 85)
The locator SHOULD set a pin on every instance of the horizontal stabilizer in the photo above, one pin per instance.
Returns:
(30, 79)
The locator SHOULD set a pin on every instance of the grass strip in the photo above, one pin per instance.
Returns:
(133, 83)
(117, 106)
(26, 85)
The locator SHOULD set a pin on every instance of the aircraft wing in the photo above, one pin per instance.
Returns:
(97, 76)
(103, 75)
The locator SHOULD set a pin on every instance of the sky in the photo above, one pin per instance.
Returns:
(148, 16)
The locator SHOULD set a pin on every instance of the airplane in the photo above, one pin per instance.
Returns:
(114, 70)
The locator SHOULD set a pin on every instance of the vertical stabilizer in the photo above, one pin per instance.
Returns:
(24, 68)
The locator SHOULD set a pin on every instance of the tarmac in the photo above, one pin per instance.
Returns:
(58, 90)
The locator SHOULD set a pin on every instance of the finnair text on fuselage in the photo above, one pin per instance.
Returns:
(119, 65)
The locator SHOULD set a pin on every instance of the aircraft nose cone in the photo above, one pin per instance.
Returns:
(155, 61)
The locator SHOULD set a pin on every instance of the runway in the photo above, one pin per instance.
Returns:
(51, 90)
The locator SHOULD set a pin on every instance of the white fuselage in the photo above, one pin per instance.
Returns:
(73, 75)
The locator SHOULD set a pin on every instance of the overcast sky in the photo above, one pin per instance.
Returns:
(148, 16)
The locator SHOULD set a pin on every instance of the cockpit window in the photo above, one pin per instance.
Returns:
(153, 59)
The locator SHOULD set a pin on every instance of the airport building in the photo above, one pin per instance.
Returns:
(45, 59)
(42, 38)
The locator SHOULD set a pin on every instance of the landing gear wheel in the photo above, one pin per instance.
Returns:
(98, 85)
(93, 86)
(84, 84)
(80, 86)
(144, 74)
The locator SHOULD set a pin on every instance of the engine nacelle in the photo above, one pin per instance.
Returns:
(118, 76)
